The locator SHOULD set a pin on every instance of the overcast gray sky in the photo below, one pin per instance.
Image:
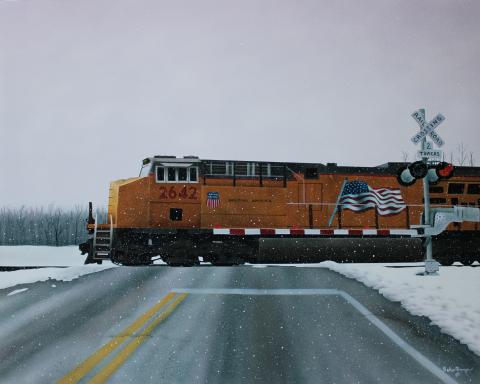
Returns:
(88, 88)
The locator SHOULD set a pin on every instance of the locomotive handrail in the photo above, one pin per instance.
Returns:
(407, 205)
(111, 232)
(95, 232)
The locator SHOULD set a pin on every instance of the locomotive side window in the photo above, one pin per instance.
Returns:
(473, 189)
(182, 174)
(435, 189)
(456, 188)
(193, 175)
(160, 174)
(171, 174)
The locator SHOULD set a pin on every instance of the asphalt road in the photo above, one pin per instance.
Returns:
(220, 325)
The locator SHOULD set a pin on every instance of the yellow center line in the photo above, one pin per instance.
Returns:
(124, 354)
(87, 365)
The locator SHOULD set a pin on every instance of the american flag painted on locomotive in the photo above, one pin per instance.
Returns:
(358, 196)
(213, 199)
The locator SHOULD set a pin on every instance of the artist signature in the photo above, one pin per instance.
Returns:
(457, 371)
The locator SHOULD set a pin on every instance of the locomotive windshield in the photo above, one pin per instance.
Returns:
(145, 170)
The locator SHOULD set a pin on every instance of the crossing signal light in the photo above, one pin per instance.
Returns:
(418, 169)
(440, 171)
(444, 170)
(409, 174)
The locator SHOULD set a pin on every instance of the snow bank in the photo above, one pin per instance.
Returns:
(10, 279)
(40, 256)
(449, 299)
(17, 291)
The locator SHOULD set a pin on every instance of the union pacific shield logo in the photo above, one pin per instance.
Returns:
(213, 199)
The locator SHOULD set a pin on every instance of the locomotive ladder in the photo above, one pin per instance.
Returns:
(102, 241)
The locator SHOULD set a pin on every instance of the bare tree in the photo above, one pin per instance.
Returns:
(40, 226)
(404, 156)
(461, 154)
(78, 223)
(57, 227)
(471, 160)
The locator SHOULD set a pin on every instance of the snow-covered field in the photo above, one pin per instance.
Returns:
(450, 299)
(68, 257)
(40, 256)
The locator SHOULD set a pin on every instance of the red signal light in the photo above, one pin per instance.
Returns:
(445, 170)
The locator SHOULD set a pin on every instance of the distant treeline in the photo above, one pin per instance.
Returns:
(43, 226)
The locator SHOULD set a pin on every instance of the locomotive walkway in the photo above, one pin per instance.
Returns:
(221, 325)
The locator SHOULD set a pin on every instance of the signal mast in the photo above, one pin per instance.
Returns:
(430, 169)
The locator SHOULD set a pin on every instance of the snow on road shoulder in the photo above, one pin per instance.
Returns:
(10, 279)
(449, 299)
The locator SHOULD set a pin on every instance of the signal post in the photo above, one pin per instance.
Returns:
(431, 265)
(423, 170)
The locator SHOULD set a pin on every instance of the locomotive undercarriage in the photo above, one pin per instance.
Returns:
(180, 248)
(184, 247)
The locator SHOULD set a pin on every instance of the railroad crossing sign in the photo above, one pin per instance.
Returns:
(427, 128)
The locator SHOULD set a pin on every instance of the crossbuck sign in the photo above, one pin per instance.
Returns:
(427, 128)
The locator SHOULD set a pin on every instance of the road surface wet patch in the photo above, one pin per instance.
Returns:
(276, 335)
(128, 340)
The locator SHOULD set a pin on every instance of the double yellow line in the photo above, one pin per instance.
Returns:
(91, 362)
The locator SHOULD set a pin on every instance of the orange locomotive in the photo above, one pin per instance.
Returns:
(229, 212)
